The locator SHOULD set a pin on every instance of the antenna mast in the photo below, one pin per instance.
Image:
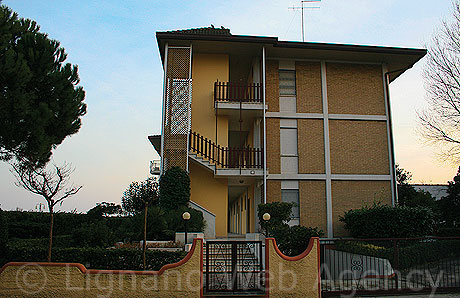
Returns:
(302, 8)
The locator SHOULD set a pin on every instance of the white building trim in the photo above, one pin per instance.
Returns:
(327, 150)
(265, 124)
(290, 115)
(391, 158)
(165, 64)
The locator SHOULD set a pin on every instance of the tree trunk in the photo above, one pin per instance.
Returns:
(50, 244)
(144, 246)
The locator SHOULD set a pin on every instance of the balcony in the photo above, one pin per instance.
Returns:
(155, 167)
(226, 161)
(234, 96)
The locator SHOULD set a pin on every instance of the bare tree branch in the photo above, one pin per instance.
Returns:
(440, 122)
(50, 184)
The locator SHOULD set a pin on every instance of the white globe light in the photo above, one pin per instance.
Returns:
(266, 216)
(186, 216)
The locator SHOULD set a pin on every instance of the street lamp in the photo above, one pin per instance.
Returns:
(267, 217)
(186, 217)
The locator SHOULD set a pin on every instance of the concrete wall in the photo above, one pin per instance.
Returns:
(295, 277)
(210, 219)
(56, 280)
(211, 193)
(206, 70)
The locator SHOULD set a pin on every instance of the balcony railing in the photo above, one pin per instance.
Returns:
(226, 157)
(237, 93)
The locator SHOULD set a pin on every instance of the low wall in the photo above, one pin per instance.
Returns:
(55, 280)
(295, 277)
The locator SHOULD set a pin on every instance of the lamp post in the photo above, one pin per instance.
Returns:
(186, 217)
(267, 217)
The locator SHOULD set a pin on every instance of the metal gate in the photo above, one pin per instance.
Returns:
(234, 266)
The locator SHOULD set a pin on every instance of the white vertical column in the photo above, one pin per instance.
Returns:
(165, 65)
(391, 157)
(265, 125)
(327, 151)
(189, 106)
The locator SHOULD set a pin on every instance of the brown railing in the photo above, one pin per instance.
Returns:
(226, 157)
(235, 92)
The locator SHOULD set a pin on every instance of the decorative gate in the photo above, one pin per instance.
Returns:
(234, 266)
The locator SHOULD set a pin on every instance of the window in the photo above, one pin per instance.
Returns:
(287, 82)
(289, 155)
(288, 139)
(292, 196)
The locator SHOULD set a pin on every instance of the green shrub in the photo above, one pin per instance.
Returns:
(411, 253)
(280, 215)
(175, 222)
(448, 232)
(174, 189)
(383, 221)
(97, 258)
(293, 241)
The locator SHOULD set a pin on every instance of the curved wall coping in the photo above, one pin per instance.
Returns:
(84, 270)
(296, 258)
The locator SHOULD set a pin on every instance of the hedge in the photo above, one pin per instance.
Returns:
(383, 221)
(292, 241)
(97, 258)
(411, 253)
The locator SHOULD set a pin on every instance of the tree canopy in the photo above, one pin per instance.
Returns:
(450, 204)
(440, 122)
(408, 195)
(174, 188)
(138, 195)
(40, 102)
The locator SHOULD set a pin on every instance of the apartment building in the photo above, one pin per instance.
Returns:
(254, 119)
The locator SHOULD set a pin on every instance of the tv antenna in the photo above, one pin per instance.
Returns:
(302, 7)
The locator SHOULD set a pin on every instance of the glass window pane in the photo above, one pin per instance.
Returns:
(292, 196)
(287, 82)
(288, 139)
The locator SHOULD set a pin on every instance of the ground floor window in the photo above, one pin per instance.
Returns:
(292, 196)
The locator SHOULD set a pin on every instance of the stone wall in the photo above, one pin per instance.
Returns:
(295, 277)
(67, 280)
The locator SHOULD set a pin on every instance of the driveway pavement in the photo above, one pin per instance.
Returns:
(456, 295)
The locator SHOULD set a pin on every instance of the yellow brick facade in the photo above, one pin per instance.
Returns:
(348, 195)
(355, 89)
(313, 204)
(272, 85)
(273, 146)
(359, 147)
(311, 146)
(273, 191)
(308, 82)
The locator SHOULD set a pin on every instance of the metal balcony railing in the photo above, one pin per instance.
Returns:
(235, 92)
(226, 157)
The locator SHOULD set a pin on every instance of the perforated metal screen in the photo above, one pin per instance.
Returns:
(178, 98)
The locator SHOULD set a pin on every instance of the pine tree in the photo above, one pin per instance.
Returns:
(40, 102)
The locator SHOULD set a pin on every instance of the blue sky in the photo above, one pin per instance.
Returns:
(113, 43)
